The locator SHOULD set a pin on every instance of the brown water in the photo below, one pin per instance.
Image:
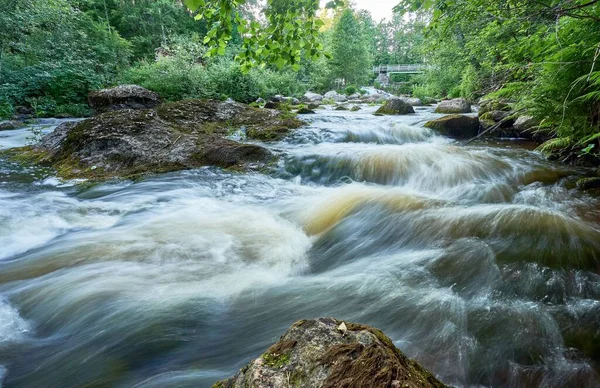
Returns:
(477, 261)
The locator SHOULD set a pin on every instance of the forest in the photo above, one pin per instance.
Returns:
(542, 55)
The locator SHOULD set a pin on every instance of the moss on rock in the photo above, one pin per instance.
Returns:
(457, 126)
(174, 136)
(326, 352)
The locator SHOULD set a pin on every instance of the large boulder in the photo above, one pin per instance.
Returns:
(457, 126)
(174, 136)
(328, 353)
(457, 105)
(335, 96)
(312, 97)
(122, 97)
(395, 106)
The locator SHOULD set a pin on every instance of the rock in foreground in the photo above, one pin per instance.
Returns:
(458, 105)
(457, 126)
(327, 353)
(122, 97)
(395, 106)
(174, 136)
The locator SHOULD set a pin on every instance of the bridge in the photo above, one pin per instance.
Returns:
(383, 71)
(399, 69)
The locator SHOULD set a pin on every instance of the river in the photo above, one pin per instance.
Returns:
(480, 262)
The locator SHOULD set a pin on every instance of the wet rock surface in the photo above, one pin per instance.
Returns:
(457, 126)
(7, 125)
(329, 353)
(123, 97)
(395, 106)
(457, 105)
(174, 136)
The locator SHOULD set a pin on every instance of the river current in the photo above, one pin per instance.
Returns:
(479, 261)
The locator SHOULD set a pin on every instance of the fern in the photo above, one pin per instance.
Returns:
(556, 144)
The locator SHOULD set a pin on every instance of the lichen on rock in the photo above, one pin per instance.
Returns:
(328, 353)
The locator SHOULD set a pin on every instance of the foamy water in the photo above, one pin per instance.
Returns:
(477, 261)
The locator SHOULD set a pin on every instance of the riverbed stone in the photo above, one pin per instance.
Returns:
(592, 183)
(413, 101)
(305, 111)
(490, 105)
(312, 97)
(395, 106)
(335, 96)
(122, 97)
(457, 126)
(457, 105)
(7, 125)
(174, 136)
(525, 123)
(329, 353)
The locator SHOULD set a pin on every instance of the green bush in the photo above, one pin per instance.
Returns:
(351, 89)
(181, 75)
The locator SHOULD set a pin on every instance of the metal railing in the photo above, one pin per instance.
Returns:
(412, 68)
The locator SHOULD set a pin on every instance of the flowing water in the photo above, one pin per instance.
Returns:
(479, 262)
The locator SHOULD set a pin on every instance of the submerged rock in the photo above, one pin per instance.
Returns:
(327, 353)
(458, 105)
(174, 136)
(458, 126)
(122, 97)
(395, 106)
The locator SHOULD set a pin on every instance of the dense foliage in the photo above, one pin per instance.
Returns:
(53, 52)
(541, 54)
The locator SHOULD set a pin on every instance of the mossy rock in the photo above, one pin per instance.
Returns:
(355, 108)
(486, 106)
(329, 353)
(592, 183)
(341, 107)
(457, 126)
(174, 136)
(395, 106)
(305, 111)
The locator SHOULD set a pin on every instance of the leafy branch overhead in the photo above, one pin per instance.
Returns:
(290, 31)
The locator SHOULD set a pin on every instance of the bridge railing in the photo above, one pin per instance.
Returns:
(409, 68)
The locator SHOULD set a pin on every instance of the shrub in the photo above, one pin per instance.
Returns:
(351, 89)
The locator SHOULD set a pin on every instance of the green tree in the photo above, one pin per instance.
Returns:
(351, 61)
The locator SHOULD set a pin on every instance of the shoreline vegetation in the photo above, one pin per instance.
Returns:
(538, 58)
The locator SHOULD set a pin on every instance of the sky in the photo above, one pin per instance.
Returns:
(380, 9)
